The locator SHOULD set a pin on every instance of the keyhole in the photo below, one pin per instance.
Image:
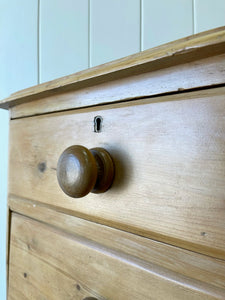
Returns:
(98, 124)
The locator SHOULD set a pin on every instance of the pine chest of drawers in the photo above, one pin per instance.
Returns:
(140, 216)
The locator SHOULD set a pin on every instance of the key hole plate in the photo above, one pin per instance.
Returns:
(98, 124)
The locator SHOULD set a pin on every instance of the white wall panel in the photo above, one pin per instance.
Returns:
(63, 37)
(18, 45)
(209, 14)
(18, 70)
(114, 29)
(164, 21)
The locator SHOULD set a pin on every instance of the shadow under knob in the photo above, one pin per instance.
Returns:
(80, 171)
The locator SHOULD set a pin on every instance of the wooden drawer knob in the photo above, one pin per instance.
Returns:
(80, 171)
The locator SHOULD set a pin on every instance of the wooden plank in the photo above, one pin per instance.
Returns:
(189, 264)
(204, 72)
(50, 264)
(4, 141)
(43, 281)
(32, 277)
(170, 187)
(174, 53)
(9, 217)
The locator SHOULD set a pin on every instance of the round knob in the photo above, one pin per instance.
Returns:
(80, 171)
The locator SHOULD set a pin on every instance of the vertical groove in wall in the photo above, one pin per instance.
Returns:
(194, 29)
(89, 34)
(38, 42)
(141, 25)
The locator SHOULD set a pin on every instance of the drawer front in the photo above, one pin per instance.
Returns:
(46, 263)
(169, 156)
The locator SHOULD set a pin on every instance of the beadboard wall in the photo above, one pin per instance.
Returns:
(41, 40)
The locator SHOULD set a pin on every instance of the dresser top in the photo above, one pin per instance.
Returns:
(182, 51)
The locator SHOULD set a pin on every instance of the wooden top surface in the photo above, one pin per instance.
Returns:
(184, 50)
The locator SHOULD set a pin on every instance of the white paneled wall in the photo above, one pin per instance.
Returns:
(41, 40)
(209, 14)
(114, 29)
(18, 45)
(77, 34)
(63, 37)
(18, 70)
(164, 21)
(60, 37)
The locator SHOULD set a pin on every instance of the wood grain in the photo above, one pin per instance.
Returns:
(32, 277)
(49, 264)
(199, 73)
(175, 260)
(169, 155)
(183, 51)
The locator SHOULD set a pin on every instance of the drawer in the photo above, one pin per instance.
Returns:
(169, 156)
(46, 263)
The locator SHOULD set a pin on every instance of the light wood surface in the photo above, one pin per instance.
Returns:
(158, 232)
(175, 53)
(172, 259)
(199, 73)
(48, 264)
(169, 163)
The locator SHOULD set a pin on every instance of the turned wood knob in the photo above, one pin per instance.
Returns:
(80, 171)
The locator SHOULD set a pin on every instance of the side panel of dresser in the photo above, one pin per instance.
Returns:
(169, 154)
(48, 263)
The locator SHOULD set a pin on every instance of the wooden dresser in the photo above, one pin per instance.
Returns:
(159, 231)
